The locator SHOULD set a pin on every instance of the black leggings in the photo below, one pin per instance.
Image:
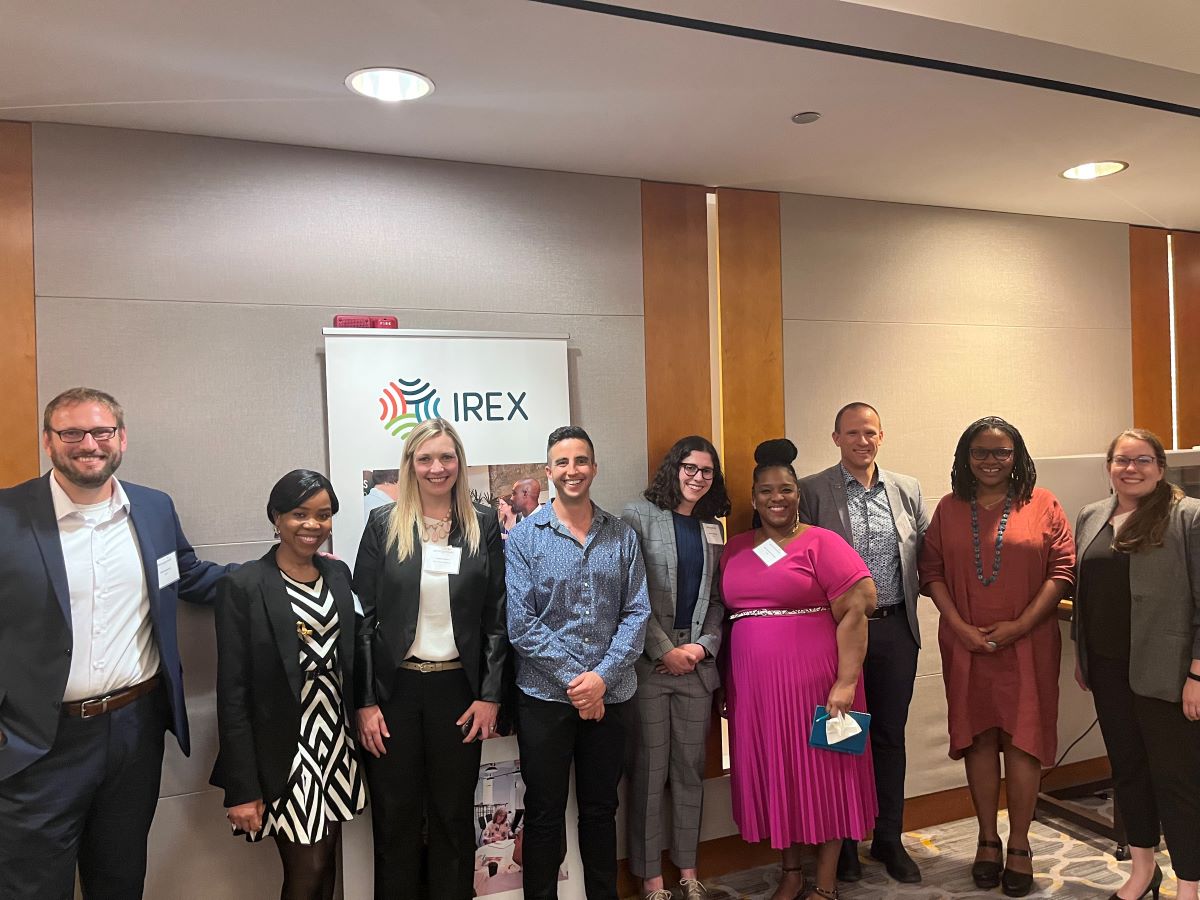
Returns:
(309, 870)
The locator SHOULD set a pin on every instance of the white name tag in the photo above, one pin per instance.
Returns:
(168, 570)
(770, 552)
(441, 560)
(712, 533)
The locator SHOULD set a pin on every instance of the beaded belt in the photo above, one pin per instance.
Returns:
(761, 613)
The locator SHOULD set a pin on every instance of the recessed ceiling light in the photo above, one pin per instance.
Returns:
(388, 84)
(1088, 171)
(803, 118)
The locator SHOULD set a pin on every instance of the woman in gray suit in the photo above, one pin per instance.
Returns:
(677, 673)
(1137, 631)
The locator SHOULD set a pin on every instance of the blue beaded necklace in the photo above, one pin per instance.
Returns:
(999, 539)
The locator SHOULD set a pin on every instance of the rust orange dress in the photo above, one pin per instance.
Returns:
(1015, 688)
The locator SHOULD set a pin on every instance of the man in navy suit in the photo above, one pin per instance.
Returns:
(90, 572)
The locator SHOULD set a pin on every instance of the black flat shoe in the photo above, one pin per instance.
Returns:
(1151, 888)
(985, 872)
(896, 860)
(849, 867)
(1017, 884)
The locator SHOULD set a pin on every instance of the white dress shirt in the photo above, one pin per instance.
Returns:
(113, 638)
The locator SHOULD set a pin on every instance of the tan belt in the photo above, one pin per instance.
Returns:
(426, 667)
(98, 706)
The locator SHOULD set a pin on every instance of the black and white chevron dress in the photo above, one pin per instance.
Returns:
(324, 785)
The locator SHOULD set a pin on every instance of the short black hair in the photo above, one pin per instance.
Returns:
(385, 476)
(1024, 472)
(664, 490)
(567, 433)
(294, 488)
(857, 404)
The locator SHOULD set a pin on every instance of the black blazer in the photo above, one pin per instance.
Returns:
(390, 595)
(259, 677)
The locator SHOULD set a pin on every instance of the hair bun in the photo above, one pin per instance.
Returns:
(775, 452)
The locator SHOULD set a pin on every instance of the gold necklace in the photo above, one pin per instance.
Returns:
(435, 529)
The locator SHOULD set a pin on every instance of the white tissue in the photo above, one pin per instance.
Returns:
(841, 728)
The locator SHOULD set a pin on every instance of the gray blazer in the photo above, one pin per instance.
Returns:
(656, 529)
(1164, 585)
(823, 503)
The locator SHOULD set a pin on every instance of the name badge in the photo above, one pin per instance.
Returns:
(712, 533)
(441, 560)
(903, 527)
(168, 570)
(770, 552)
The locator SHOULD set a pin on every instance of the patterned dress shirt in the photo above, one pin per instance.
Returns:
(873, 533)
(575, 608)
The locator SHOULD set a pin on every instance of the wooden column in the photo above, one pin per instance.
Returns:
(18, 349)
(750, 294)
(675, 297)
(1150, 317)
(1185, 247)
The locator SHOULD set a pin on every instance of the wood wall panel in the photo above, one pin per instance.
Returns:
(675, 296)
(751, 336)
(1150, 319)
(18, 348)
(1185, 247)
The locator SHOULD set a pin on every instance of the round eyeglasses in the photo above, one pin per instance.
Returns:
(691, 470)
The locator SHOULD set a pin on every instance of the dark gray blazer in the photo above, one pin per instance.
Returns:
(1164, 584)
(656, 530)
(823, 503)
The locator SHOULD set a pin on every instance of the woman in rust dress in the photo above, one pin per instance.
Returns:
(997, 558)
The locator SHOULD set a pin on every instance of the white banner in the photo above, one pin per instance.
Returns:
(504, 393)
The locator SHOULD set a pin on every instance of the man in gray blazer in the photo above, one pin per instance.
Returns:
(881, 514)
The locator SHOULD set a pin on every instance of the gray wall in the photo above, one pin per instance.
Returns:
(191, 277)
(938, 317)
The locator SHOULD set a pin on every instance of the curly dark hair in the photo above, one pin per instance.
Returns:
(1024, 472)
(664, 490)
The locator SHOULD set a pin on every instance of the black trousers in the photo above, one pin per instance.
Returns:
(428, 775)
(889, 672)
(1155, 755)
(88, 802)
(551, 736)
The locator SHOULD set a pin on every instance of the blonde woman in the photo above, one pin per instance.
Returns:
(430, 663)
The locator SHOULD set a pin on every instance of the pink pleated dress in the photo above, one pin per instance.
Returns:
(777, 670)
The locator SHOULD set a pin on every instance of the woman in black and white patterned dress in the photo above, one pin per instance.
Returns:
(285, 651)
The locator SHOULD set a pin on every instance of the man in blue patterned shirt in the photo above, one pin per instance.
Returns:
(577, 612)
(881, 514)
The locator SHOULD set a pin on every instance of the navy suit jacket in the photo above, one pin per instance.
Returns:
(35, 612)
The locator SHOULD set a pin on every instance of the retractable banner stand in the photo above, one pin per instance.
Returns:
(504, 393)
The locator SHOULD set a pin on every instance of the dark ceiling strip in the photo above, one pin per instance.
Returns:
(904, 59)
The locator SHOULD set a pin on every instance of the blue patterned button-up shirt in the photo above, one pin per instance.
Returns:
(873, 533)
(575, 608)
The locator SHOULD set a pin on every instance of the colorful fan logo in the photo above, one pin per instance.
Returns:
(405, 403)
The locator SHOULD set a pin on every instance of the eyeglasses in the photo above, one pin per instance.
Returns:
(690, 471)
(1142, 462)
(1000, 454)
(75, 435)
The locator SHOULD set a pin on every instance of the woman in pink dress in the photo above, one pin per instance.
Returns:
(798, 598)
(997, 558)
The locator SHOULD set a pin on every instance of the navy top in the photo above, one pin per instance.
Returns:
(689, 549)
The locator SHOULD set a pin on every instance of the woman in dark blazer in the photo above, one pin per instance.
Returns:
(676, 522)
(1137, 633)
(285, 649)
(432, 649)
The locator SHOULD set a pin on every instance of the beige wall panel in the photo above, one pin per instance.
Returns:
(857, 260)
(929, 659)
(222, 399)
(193, 856)
(175, 217)
(1076, 710)
(927, 741)
(1067, 390)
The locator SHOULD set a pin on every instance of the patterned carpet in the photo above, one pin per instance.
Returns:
(1065, 865)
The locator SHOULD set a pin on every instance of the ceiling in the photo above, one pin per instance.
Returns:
(528, 84)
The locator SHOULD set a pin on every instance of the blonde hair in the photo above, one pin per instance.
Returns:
(406, 514)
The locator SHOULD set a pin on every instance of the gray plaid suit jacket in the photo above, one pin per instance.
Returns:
(656, 530)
